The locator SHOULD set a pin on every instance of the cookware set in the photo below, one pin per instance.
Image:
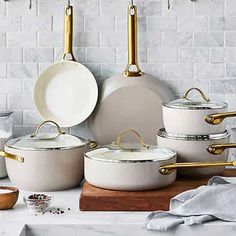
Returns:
(194, 138)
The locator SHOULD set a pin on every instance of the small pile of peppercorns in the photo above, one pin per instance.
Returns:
(58, 211)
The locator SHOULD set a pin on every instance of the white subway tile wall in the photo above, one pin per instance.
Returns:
(191, 44)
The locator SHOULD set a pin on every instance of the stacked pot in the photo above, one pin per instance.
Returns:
(196, 130)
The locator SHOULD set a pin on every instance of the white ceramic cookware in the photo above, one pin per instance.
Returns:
(67, 91)
(132, 100)
(197, 148)
(128, 168)
(46, 162)
(195, 116)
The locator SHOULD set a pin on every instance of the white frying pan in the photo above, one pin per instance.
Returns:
(132, 100)
(67, 91)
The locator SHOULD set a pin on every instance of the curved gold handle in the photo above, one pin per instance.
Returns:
(68, 34)
(11, 156)
(215, 119)
(205, 98)
(121, 134)
(93, 144)
(42, 124)
(217, 149)
(168, 169)
(132, 43)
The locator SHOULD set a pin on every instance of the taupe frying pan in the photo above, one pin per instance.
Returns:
(67, 91)
(132, 100)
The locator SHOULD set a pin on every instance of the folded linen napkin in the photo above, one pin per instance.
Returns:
(214, 201)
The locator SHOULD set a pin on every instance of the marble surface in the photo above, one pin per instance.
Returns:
(21, 221)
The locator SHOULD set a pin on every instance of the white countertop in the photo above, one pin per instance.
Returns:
(21, 221)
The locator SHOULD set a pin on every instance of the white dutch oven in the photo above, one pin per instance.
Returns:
(118, 168)
(194, 117)
(197, 148)
(46, 162)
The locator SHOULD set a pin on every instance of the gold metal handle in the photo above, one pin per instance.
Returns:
(121, 134)
(68, 33)
(168, 169)
(93, 144)
(217, 149)
(205, 98)
(132, 43)
(215, 119)
(42, 124)
(11, 156)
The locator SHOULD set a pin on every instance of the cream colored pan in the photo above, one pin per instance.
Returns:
(132, 100)
(67, 91)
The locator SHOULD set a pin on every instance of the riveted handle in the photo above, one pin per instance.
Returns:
(132, 44)
(59, 131)
(205, 98)
(121, 134)
(11, 156)
(93, 144)
(217, 149)
(216, 119)
(68, 34)
(168, 169)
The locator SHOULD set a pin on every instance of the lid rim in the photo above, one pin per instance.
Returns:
(173, 155)
(10, 145)
(163, 134)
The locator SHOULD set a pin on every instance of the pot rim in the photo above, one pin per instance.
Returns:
(172, 156)
(10, 144)
(207, 137)
(222, 105)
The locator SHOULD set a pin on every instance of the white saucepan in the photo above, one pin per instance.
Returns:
(46, 162)
(197, 148)
(186, 116)
(67, 91)
(124, 168)
(132, 100)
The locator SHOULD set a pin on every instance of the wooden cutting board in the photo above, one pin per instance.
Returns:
(96, 199)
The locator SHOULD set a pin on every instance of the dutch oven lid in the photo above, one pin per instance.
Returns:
(47, 141)
(117, 152)
(194, 104)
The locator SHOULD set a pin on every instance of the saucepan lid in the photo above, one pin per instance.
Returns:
(130, 152)
(195, 104)
(47, 141)
(162, 133)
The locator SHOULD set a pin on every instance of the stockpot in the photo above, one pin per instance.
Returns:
(195, 116)
(46, 161)
(120, 167)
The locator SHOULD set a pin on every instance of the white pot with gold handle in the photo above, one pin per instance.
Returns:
(197, 148)
(46, 161)
(190, 116)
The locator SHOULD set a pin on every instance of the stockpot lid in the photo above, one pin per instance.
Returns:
(47, 141)
(195, 104)
(130, 152)
(162, 133)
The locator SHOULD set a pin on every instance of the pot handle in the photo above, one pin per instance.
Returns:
(11, 156)
(132, 43)
(215, 119)
(122, 133)
(205, 98)
(68, 33)
(93, 144)
(42, 124)
(168, 169)
(217, 149)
